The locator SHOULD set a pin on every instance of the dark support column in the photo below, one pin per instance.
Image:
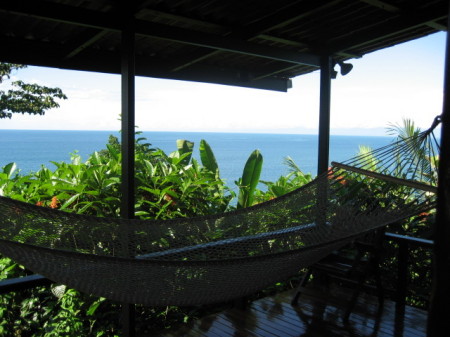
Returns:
(128, 144)
(439, 315)
(128, 118)
(326, 68)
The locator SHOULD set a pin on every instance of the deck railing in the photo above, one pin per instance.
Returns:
(405, 244)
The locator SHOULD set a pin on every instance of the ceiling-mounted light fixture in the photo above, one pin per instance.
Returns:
(345, 68)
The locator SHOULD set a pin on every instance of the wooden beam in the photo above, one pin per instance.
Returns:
(324, 114)
(403, 11)
(277, 17)
(63, 14)
(52, 55)
(384, 30)
(112, 22)
(128, 117)
(128, 188)
(89, 37)
(437, 26)
(382, 5)
(224, 44)
(273, 72)
(84, 41)
(283, 17)
(210, 26)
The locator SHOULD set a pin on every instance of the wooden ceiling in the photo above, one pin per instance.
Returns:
(251, 43)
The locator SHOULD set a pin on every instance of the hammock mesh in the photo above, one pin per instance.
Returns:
(210, 259)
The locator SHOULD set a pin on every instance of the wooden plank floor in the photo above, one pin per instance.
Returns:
(313, 316)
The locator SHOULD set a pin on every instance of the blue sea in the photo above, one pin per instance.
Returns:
(30, 149)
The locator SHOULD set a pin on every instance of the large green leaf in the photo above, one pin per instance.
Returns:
(207, 157)
(250, 179)
(9, 169)
(184, 147)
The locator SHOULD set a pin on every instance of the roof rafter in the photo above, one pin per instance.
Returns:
(87, 39)
(32, 53)
(395, 9)
(84, 41)
(276, 18)
(381, 31)
(426, 18)
(102, 21)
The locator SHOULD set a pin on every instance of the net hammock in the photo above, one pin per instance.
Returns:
(214, 258)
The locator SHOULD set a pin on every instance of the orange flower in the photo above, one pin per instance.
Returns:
(54, 203)
(341, 180)
(39, 203)
(330, 172)
(170, 199)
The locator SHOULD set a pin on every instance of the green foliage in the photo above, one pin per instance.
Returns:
(419, 226)
(23, 97)
(425, 162)
(250, 178)
(185, 149)
(207, 157)
(7, 68)
(285, 184)
(168, 186)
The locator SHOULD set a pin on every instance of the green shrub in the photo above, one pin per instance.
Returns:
(167, 186)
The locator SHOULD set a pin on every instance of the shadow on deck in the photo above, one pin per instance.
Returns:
(313, 316)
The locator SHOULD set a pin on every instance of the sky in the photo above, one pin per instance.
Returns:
(384, 87)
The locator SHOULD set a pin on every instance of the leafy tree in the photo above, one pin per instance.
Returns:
(23, 97)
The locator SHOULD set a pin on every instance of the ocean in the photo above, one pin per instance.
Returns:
(30, 149)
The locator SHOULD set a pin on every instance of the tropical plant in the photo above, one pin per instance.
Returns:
(285, 184)
(425, 161)
(168, 186)
(249, 180)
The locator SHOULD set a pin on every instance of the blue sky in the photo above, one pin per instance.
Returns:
(384, 87)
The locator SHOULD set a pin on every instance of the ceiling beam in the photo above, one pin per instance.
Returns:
(400, 10)
(90, 36)
(84, 41)
(383, 30)
(382, 5)
(277, 17)
(111, 22)
(224, 43)
(409, 15)
(160, 13)
(302, 45)
(50, 55)
(284, 17)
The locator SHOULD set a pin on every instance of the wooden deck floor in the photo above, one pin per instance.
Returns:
(313, 316)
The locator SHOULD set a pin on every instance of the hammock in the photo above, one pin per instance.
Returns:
(209, 259)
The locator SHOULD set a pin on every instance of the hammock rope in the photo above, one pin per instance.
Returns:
(214, 258)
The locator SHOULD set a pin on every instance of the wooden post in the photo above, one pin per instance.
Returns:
(326, 69)
(127, 137)
(128, 118)
(402, 273)
(439, 315)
